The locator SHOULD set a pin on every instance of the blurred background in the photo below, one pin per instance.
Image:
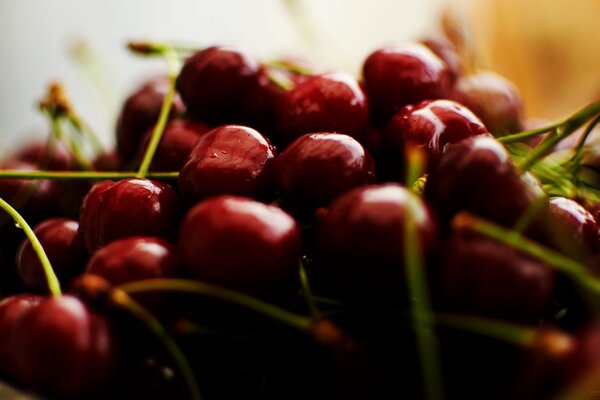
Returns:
(549, 49)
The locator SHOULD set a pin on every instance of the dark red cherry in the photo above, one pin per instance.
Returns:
(129, 207)
(331, 102)
(178, 140)
(483, 276)
(430, 125)
(55, 158)
(140, 112)
(108, 161)
(404, 74)
(362, 238)
(215, 82)
(11, 309)
(318, 167)
(492, 98)
(134, 258)
(444, 49)
(64, 247)
(477, 175)
(63, 348)
(230, 159)
(239, 243)
(573, 229)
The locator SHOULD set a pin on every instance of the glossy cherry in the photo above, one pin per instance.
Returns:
(477, 175)
(64, 247)
(239, 243)
(361, 238)
(492, 98)
(129, 207)
(140, 112)
(63, 348)
(331, 102)
(445, 50)
(134, 258)
(178, 140)
(483, 276)
(429, 125)
(230, 159)
(395, 76)
(215, 82)
(318, 167)
(11, 309)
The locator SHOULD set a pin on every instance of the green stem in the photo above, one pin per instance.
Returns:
(306, 290)
(173, 69)
(543, 148)
(521, 136)
(296, 321)
(95, 175)
(423, 317)
(53, 284)
(415, 158)
(123, 300)
(88, 133)
(73, 146)
(575, 161)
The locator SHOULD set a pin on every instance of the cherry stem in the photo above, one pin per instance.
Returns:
(541, 150)
(307, 291)
(88, 133)
(293, 320)
(530, 214)
(578, 156)
(423, 317)
(288, 66)
(518, 241)
(173, 66)
(74, 175)
(52, 280)
(414, 171)
(123, 300)
(73, 146)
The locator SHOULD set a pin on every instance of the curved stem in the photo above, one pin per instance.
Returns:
(296, 321)
(306, 290)
(20, 174)
(578, 156)
(53, 284)
(173, 69)
(123, 300)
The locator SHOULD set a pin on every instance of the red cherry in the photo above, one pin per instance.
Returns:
(64, 348)
(404, 74)
(129, 207)
(215, 82)
(445, 50)
(318, 167)
(64, 247)
(239, 243)
(58, 159)
(134, 258)
(140, 112)
(492, 98)
(230, 159)
(11, 309)
(331, 102)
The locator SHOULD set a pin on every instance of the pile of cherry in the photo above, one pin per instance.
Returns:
(299, 233)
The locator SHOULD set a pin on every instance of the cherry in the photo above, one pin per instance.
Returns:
(37, 153)
(178, 140)
(11, 309)
(478, 175)
(331, 102)
(395, 76)
(492, 98)
(239, 243)
(140, 112)
(134, 258)
(444, 49)
(361, 238)
(129, 207)
(429, 125)
(573, 229)
(108, 161)
(64, 247)
(64, 348)
(483, 276)
(230, 159)
(215, 82)
(318, 167)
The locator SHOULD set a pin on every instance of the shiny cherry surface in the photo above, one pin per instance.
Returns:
(239, 243)
(318, 167)
(230, 159)
(63, 245)
(395, 76)
(331, 102)
(129, 207)
(134, 258)
(573, 228)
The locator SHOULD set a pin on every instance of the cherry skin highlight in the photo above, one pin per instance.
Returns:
(230, 159)
(239, 243)
(129, 207)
